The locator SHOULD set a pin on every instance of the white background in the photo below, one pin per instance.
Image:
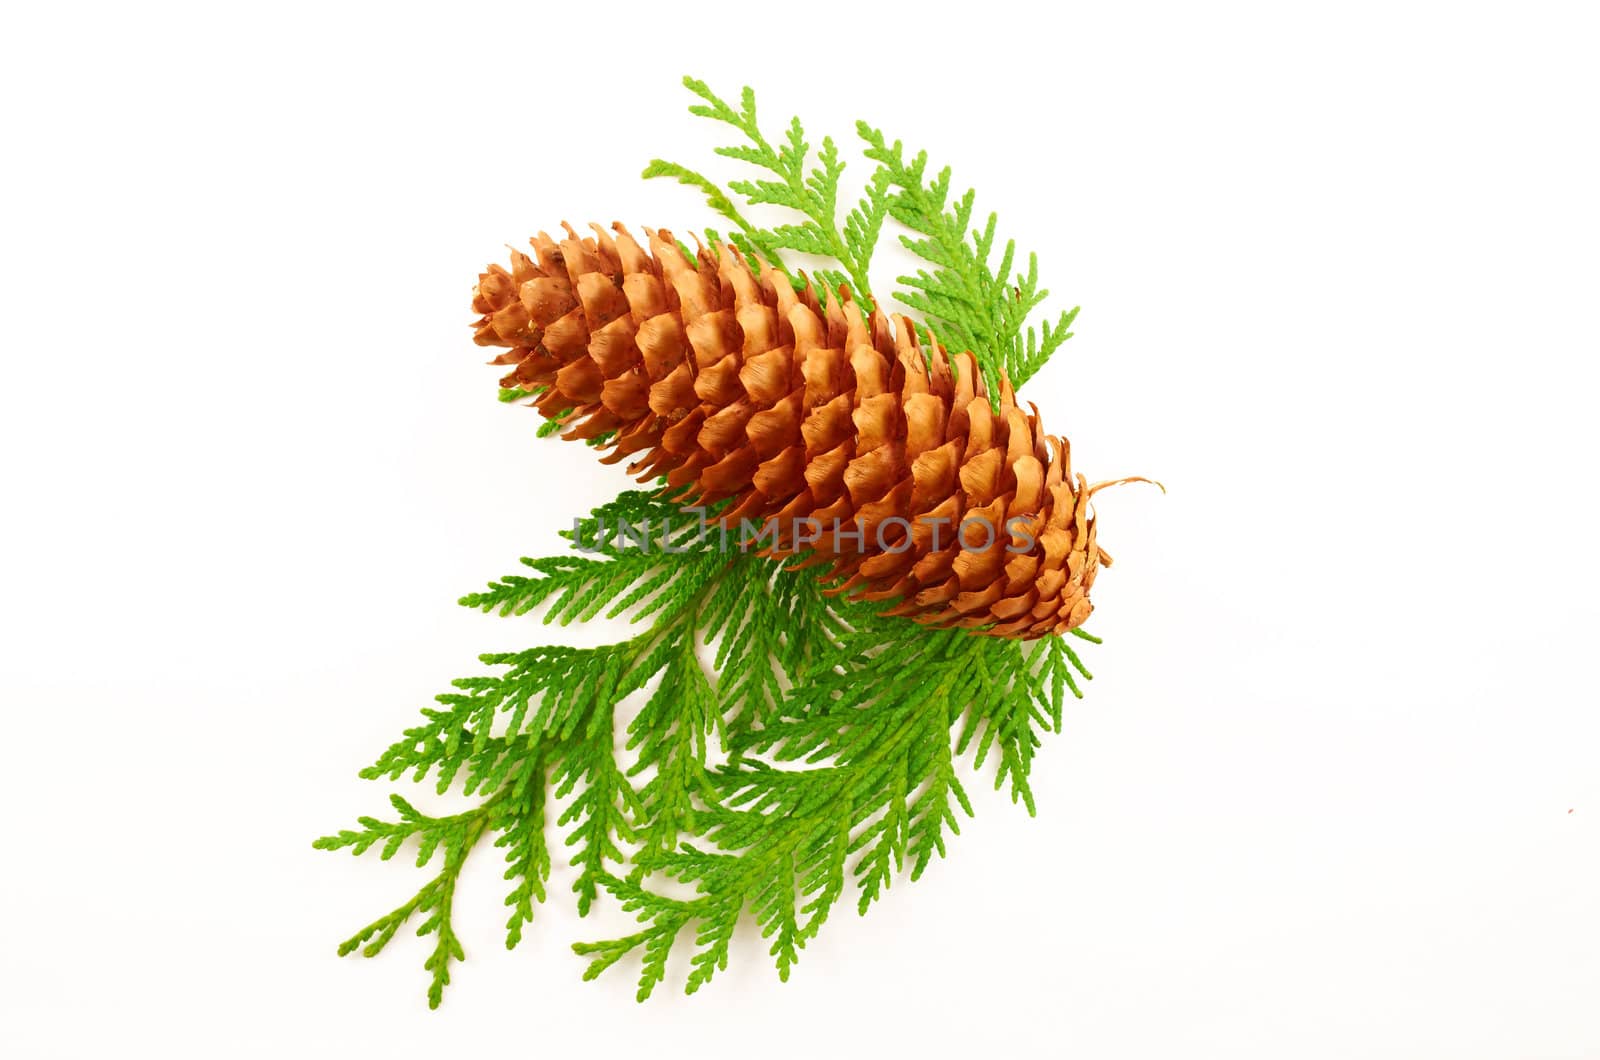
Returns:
(1334, 790)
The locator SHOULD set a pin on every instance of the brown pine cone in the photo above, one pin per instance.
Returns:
(733, 384)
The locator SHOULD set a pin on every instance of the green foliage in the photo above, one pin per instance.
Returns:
(968, 302)
(813, 193)
(780, 757)
(856, 778)
(804, 759)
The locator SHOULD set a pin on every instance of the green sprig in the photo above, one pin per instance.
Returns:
(964, 300)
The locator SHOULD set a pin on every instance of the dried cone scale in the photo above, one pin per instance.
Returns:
(731, 383)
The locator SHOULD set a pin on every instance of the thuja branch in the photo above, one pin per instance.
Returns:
(455, 836)
(572, 747)
(812, 192)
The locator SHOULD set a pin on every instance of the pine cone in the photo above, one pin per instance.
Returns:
(733, 384)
